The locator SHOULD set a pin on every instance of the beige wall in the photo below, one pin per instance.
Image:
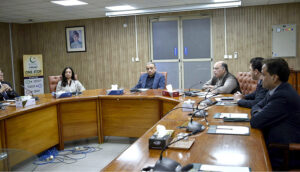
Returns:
(110, 46)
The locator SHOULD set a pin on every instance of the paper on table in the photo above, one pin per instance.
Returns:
(223, 168)
(232, 129)
(234, 115)
(203, 94)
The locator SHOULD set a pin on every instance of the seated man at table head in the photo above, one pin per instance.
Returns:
(68, 82)
(278, 114)
(251, 99)
(222, 81)
(151, 79)
(6, 91)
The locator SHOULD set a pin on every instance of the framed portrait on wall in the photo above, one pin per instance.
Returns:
(75, 38)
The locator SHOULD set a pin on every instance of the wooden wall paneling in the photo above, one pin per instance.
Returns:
(73, 125)
(5, 56)
(18, 35)
(110, 46)
(129, 118)
(249, 33)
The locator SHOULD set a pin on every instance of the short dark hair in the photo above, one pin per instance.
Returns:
(256, 63)
(225, 66)
(278, 67)
(149, 63)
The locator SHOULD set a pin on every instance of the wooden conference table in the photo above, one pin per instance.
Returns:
(53, 121)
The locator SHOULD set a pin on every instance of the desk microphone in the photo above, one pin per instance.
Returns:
(166, 164)
(208, 101)
(191, 93)
(192, 125)
(31, 92)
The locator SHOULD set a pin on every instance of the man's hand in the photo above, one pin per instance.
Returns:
(5, 87)
(238, 96)
(209, 87)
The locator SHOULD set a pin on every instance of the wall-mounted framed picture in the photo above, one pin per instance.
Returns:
(75, 38)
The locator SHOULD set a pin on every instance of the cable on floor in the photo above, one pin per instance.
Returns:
(67, 156)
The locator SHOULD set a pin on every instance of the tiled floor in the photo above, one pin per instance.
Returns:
(94, 161)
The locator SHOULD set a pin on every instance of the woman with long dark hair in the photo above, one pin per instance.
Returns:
(68, 82)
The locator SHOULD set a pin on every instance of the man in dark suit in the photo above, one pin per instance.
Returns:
(252, 99)
(278, 114)
(151, 79)
(6, 91)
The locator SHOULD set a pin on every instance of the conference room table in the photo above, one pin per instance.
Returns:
(212, 149)
(51, 122)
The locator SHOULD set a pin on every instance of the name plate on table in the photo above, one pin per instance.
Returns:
(115, 92)
(61, 94)
(232, 117)
(29, 102)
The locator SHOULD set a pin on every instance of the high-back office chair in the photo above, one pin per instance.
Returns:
(287, 149)
(53, 81)
(165, 75)
(247, 84)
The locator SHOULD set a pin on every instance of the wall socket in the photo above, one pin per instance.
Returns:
(235, 55)
(230, 56)
(225, 56)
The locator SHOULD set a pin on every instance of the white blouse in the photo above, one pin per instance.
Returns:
(75, 86)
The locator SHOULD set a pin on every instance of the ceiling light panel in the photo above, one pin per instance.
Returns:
(69, 2)
(120, 8)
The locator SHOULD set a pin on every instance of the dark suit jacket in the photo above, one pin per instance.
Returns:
(11, 94)
(159, 81)
(278, 115)
(253, 98)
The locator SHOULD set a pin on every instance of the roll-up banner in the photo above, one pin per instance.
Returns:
(33, 74)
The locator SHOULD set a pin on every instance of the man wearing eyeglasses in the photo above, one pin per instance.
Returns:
(6, 91)
(151, 79)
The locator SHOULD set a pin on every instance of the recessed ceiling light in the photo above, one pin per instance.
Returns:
(69, 2)
(120, 8)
